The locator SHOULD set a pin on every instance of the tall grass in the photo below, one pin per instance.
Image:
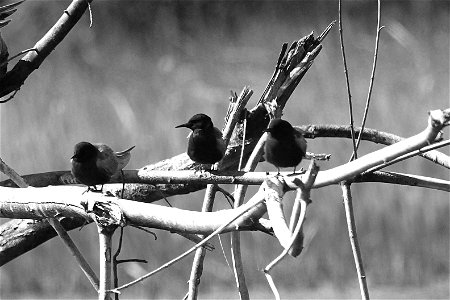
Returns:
(146, 66)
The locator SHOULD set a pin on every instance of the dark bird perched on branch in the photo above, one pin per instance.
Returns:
(285, 146)
(206, 145)
(94, 164)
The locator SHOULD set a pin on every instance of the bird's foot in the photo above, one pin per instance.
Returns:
(94, 189)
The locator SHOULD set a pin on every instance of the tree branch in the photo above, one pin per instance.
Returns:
(351, 226)
(13, 80)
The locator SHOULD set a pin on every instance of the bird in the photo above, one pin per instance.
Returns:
(94, 164)
(285, 146)
(205, 145)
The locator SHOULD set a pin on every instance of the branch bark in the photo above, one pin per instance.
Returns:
(14, 79)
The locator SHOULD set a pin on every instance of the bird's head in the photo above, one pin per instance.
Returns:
(84, 151)
(280, 128)
(198, 121)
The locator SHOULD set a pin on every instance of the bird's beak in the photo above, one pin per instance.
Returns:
(187, 125)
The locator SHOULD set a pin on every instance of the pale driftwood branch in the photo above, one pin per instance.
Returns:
(348, 171)
(303, 199)
(73, 249)
(286, 237)
(436, 121)
(70, 202)
(150, 193)
(411, 154)
(379, 137)
(105, 247)
(404, 179)
(256, 202)
(234, 113)
(351, 226)
(107, 216)
(13, 80)
(274, 206)
(20, 236)
(8, 171)
(71, 246)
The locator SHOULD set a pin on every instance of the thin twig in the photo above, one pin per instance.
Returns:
(90, 15)
(197, 264)
(347, 81)
(13, 175)
(239, 193)
(186, 253)
(241, 157)
(115, 263)
(347, 195)
(82, 262)
(17, 55)
(372, 78)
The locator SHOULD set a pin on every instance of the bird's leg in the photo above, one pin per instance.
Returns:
(94, 189)
(88, 189)
(123, 183)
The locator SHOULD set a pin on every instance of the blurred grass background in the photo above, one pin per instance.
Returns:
(146, 66)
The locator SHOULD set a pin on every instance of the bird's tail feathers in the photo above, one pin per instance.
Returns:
(124, 152)
(123, 158)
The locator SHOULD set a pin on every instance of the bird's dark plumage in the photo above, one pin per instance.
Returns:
(285, 146)
(205, 145)
(94, 164)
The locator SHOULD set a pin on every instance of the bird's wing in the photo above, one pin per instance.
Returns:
(106, 160)
(300, 140)
(217, 132)
(123, 158)
(220, 142)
